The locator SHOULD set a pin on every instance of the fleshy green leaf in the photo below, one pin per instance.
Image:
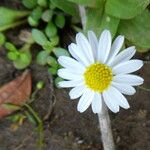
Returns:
(42, 3)
(60, 21)
(32, 22)
(60, 52)
(34, 17)
(42, 57)
(23, 60)
(66, 6)
(47, 15)
(12, 56)
(55, 40)
(29, 3)
(125, 9)
(52, 70)
(7, 16)
(9, 46)
(52, 61)
(39, 37)
(137, 30)
(48, 46)
(36, 13)
(50, 30)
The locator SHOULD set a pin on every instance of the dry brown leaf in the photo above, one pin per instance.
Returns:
(15, 92)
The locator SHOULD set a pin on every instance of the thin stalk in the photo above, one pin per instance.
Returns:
(83, 16)
(39, 128)
(105, 128)
(144, 89)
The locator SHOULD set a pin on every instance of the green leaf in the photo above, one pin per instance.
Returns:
(36, 13)
(2, 39)
(55, 40)
(42, 57)
(23, 60)
(125, 9)
(110, 23)
(40, 85)
(31, 118)
(9, 46)
(42, 3)
(90, 3)
(29, 3)
(52, 61)
(48, 46)
(100, 21)
(50, 30)
(57, 80)
(9, 15)
(94, 15)
(60, 52)
(137, 30)
(15, 117)
(47, 15)
(39, 37)
(52, 70)
(10, 106)
(12, 56)
(60, 21)
(66, 6)
(32, 22)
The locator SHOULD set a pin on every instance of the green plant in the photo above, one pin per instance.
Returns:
(47, 17)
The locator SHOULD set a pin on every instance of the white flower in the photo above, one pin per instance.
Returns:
(100, 72)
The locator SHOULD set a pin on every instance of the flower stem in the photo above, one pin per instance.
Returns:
(103, 117)
(105, 128)
(83, 16)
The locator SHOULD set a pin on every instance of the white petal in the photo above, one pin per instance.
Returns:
(118, 97)
(84, 45)
(77, 91)
(124, 88)
(97, 103)
(85, 100)
(116, 46)
(110, 101)
(70, 63)
(93, 42)
(104, 46)
(123, 56)
(66, 74)
(128, 79)
(78, 54)
(128, 66)
(67, 84)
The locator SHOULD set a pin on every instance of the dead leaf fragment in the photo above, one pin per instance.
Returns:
(15, 92)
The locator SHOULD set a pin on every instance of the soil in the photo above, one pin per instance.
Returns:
(67, 129)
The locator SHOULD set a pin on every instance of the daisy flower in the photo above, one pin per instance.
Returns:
(99, 72)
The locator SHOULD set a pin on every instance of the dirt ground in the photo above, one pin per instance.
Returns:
(67, 129)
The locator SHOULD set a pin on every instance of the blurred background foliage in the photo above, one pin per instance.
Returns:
(46, 18)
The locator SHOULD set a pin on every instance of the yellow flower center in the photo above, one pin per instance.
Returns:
(98, 77)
